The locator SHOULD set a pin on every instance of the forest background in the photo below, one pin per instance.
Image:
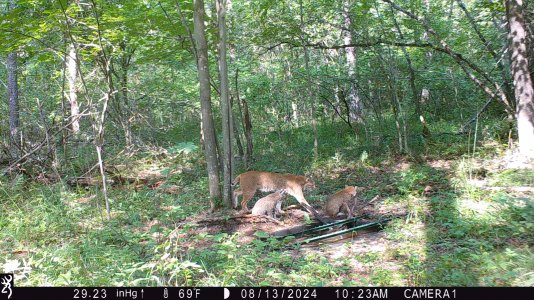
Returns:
(127, 120)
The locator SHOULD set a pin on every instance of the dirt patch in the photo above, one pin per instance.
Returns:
(441, 164)
(230, 221)
(294, 217)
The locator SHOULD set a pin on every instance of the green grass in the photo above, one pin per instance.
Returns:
(455, 235)
(513, 177)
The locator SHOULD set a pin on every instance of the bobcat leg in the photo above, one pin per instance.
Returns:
(348, 210)
(238, 192)
(245, 200)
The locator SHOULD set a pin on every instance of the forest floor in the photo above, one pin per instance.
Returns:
(464, 221)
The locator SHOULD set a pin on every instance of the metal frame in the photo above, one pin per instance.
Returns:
(323, 227)
(380, 223)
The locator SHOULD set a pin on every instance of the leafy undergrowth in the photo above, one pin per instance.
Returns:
(447, 232)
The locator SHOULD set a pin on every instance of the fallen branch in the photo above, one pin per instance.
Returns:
(39, 146)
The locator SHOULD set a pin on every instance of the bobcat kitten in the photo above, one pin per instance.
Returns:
(342, 201)
(270, 205)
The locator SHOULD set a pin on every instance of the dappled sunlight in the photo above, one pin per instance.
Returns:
(476, 208)
(126, 124)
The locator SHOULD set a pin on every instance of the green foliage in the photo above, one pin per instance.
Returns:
(448, 232)
(185, 148)
(514, 177)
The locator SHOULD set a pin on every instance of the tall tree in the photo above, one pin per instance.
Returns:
(225, 105)
(210, 143)
(350, 53)
(524, 90)
(72, 78)
(123, 101)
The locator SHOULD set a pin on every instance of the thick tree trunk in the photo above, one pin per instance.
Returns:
(210, 144)
(225, 106)
(72, 77)
(524, 90)
(13, 95)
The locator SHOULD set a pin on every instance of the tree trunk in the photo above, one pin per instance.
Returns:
(309, 92)
(237, 135)
(72, 77)
(13, 95)
(523, 87)
(415, 94)
(225, 106)
(350, 52)
(210, 146)
(235, 129)
(125, 112)
(248, 132)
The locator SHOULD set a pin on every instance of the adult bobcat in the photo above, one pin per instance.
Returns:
(252, 181)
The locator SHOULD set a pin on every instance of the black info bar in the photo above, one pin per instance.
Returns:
(231, 293)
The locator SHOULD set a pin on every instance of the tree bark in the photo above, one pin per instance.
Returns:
(350, 52)
(225, 106)
(248, 132)
(523, 86)
(237, 135)
(72, 78)
(235, 129)
(210, 144)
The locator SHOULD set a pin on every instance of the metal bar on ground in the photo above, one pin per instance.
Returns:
(322, 227)
(333, 234)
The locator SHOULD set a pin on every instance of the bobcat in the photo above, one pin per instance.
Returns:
(342, 201)
(270, 205)
(252, 181)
